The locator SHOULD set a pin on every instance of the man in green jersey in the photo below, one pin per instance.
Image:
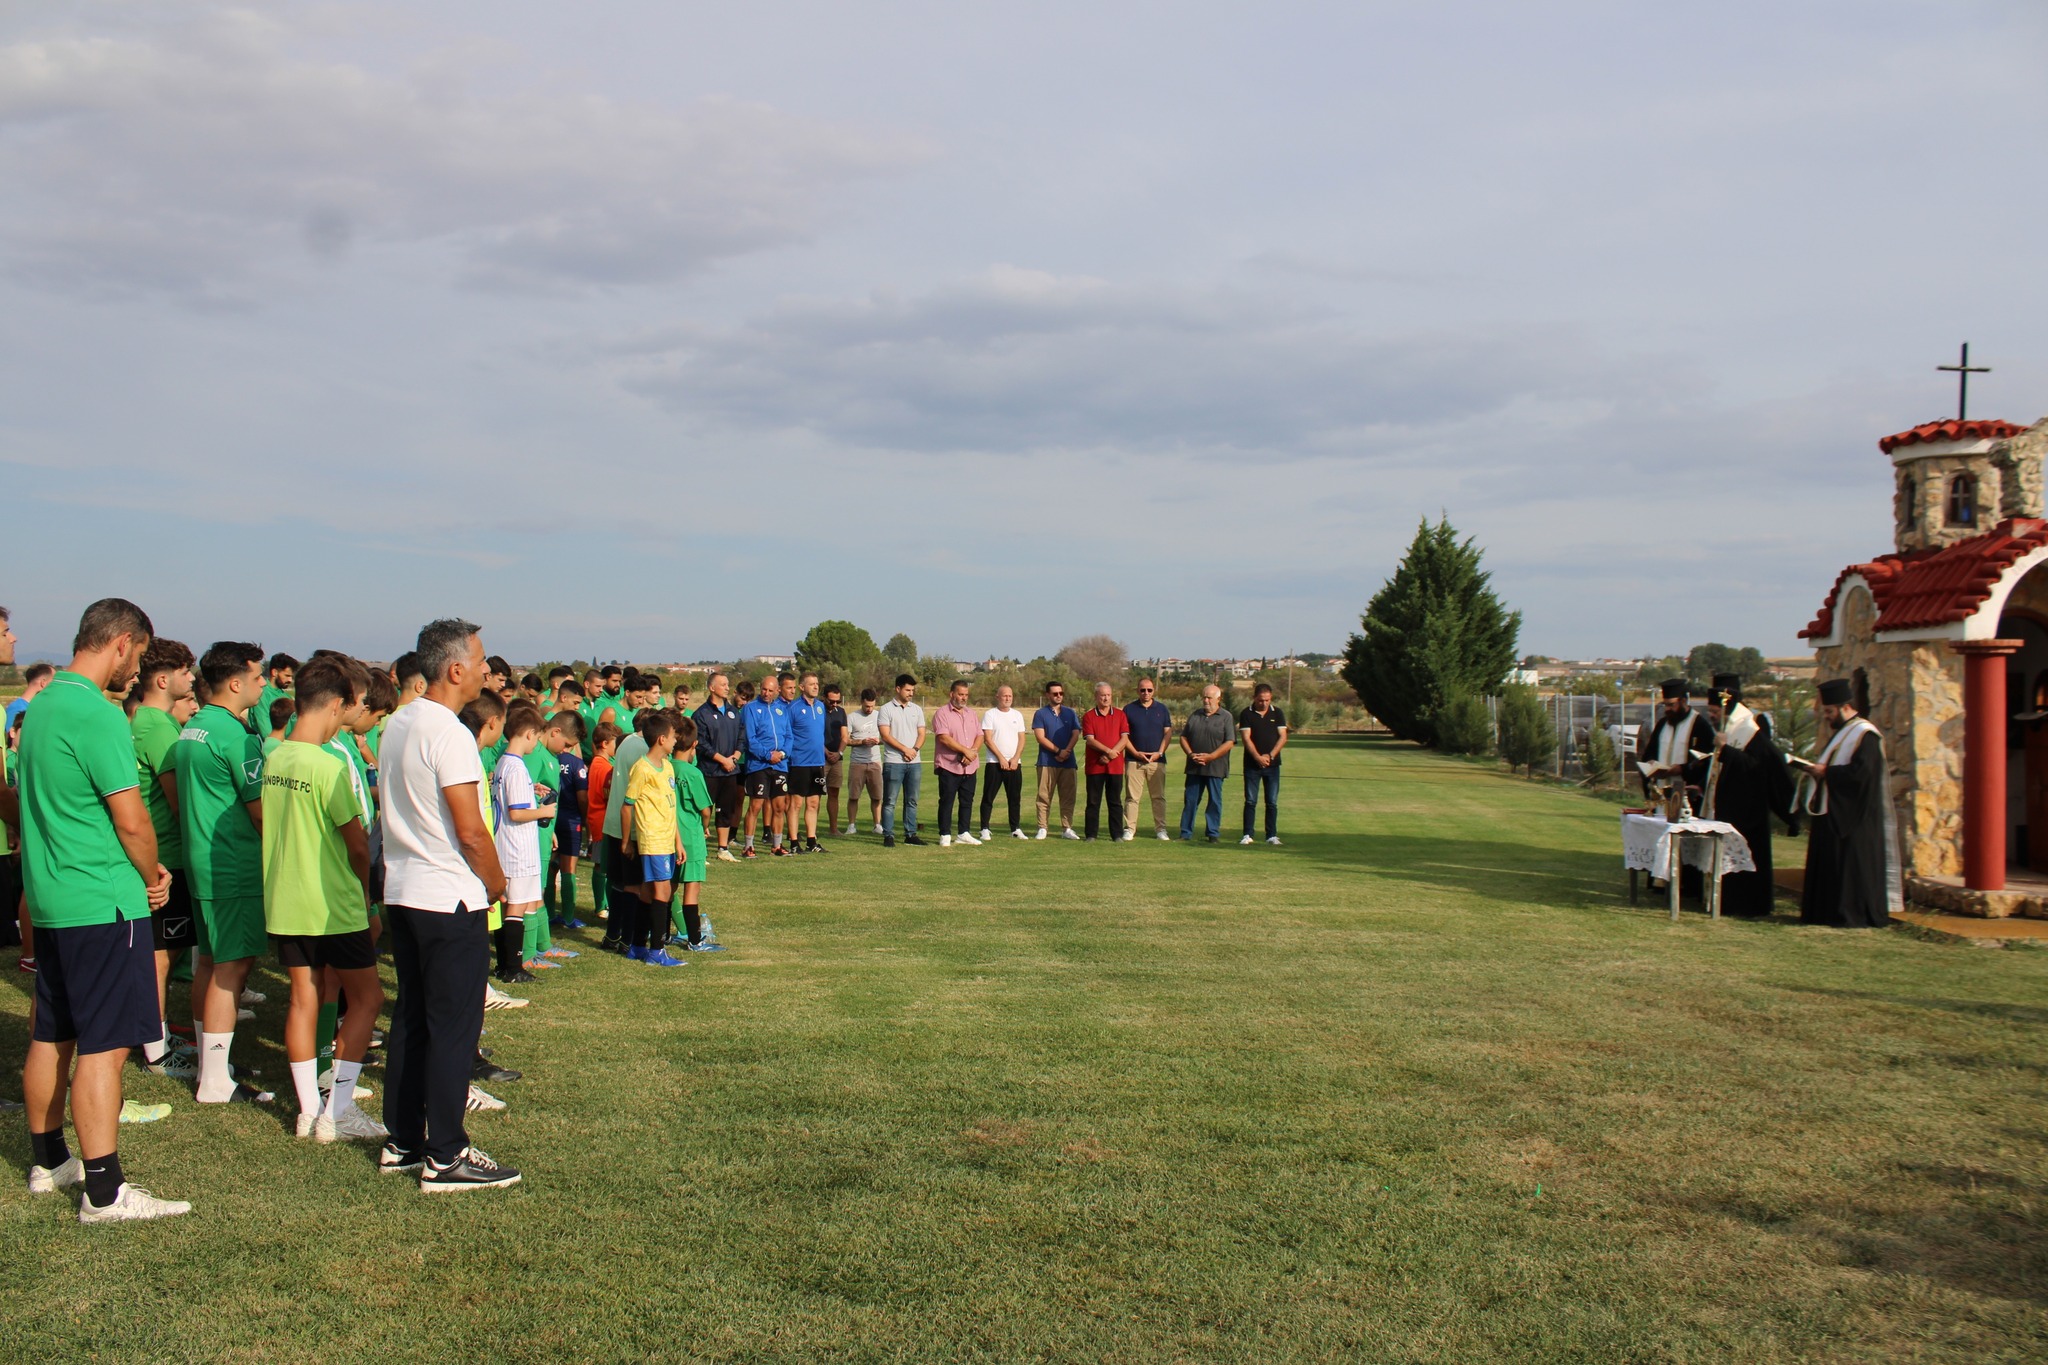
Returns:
(90, 870)
(316, 874)
(219, 762)
(165, 681)
(280, 670)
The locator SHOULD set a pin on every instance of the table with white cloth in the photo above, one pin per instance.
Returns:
(1650, 843)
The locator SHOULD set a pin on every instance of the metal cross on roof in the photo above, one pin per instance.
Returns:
(1962, 370)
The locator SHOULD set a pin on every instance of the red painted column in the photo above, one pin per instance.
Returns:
(1984, 726)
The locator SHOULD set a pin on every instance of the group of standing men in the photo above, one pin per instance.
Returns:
(772, 759)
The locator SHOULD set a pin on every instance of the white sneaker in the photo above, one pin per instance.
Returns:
(1163, 837)
(307, 1120)
(44, 1180)
(1018, 834)
(482, 1100)
(1274, 841)
(495, 999)
(970, 841)
(1247, 840)
(1068, 833)
(1129, 835)
(987, 834)
(1041, 831)
(132, 1204)
(351, 1123)
(851, 828)
(250, 997)
(945, 841)
(241, 1015)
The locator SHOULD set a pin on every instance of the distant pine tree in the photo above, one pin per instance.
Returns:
(1434, 629)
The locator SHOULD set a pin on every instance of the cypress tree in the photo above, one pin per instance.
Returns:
(1434, 629)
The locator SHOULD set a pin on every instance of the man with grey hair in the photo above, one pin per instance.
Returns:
(441, 873)
(1207, 739)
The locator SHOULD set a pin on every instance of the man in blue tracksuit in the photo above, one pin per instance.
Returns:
(767, 784)
(806, 763)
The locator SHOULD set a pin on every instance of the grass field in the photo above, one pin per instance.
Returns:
(1417, 1086)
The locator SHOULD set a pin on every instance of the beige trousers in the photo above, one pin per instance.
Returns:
(1061, 779)
(1140, 778)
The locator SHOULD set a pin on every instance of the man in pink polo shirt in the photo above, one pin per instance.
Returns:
(958, 728)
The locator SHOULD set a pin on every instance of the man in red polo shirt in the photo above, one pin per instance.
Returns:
(1107, 731)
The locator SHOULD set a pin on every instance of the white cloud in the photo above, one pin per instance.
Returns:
(1020, 360)
(188, 158)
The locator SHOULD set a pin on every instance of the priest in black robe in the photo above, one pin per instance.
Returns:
(1852, 860)
(1679, 733)
(1745, 783)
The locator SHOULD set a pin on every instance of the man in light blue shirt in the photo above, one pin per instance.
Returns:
(903, 735)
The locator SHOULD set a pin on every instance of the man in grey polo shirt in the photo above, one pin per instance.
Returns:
(1207, 739)
(902, 760)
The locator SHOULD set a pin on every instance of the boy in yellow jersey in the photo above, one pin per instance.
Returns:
(648, 830)
(316, 905)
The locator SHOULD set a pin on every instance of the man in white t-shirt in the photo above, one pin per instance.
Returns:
(864, 761)
(1003, 729)
(441, 874)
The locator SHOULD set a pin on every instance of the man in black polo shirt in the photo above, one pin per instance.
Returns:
(1264, 727)
(835, 755)
(721, 737)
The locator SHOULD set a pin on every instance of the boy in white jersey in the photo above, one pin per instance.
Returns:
(518, 833)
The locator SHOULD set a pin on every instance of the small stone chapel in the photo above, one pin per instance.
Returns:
(1945, 640)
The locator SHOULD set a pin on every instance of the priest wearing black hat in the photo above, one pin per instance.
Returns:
(1852, 857)
(1679, 733)
(1745, 782)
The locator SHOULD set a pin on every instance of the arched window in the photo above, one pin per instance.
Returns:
(1909, 499)
(1962, 500)
(1859, 689)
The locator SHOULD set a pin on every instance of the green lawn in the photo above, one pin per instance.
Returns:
(1417, 1086)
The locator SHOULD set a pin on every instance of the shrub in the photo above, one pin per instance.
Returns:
(1462, 725)
(1527, 736)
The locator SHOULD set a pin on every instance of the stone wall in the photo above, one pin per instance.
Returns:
(1927, 527)
(2018, 462)
(1916, 702)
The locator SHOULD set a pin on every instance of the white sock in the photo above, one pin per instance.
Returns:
(154, 1052)
(216, 1083)
(344, 1092)
(306, 1081)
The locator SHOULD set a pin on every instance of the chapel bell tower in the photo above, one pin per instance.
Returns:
(1953, 480)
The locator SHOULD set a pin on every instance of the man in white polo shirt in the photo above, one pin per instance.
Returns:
(441, 874)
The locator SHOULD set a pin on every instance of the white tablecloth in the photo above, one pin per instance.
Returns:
(1646, 845)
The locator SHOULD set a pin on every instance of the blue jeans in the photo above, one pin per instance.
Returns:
(1191, 797)
(1257, 779)
(904, 778)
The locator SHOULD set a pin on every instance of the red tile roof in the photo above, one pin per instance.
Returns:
(1951, 430)
(1936, 587)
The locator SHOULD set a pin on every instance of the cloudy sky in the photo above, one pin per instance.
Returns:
(667, 329)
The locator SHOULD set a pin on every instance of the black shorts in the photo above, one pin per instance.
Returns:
(807, 781)
(344, 952)
(568, 838)
(96, 986)
(172, 925)
(764, 783)
(725, 796)
(621, 872)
